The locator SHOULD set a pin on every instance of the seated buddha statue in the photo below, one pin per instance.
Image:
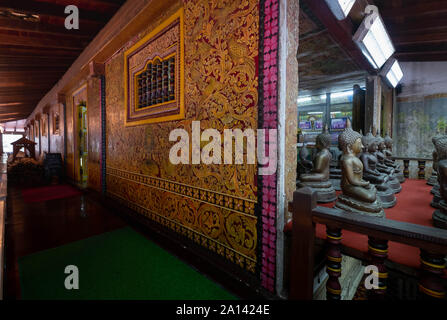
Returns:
(383, 168)
(371, 174)
(388, 152)
(435, 203)
(358, 195)
(433, 180)
(440, 215)
(318, 178)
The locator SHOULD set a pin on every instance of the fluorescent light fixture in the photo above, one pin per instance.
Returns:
(374, 41)
(305, 99)
(315, 112)
(340, 8)
(392, 72)
(342, 94)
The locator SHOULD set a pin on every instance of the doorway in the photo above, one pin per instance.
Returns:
(82, 144)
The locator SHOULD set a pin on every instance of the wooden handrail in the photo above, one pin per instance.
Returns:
(305, 214)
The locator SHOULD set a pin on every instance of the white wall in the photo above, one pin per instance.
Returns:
(423, 78)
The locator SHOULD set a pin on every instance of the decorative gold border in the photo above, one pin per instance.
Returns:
(181, 114)
(236, 257)
(228, 202)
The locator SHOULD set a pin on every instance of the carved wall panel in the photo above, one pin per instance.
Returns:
(212, 204)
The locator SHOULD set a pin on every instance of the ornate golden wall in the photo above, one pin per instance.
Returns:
(211, 204)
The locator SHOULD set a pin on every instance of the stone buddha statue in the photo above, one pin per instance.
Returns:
(383, 168)
(358, 196)
(440, 215)
(433, 180)
(388, 152)
(435, 190)
(318, 178)
(371, 174)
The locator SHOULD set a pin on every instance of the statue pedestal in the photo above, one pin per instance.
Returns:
(433, 180)
(394, 184)
(440, 216)
(436, 202)
(325, 191)
(349, 204)
(387, 198)
(400, 177)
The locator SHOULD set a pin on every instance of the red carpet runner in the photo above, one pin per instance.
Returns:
(413, 206)
(49, 193)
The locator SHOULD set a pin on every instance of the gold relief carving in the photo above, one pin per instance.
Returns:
(241, 233)
(220, 50)
(245, 206)
(209, 226)
(210, 221)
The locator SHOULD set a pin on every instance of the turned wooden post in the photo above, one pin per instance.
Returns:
(333, 263)
(421, 166)
(378, 252)
(432, 270)
(303, 243)
(406, 168)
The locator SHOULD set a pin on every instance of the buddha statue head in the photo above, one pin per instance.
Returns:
(388, 142)
(350, 141)
(380, 142)
(441, 147)
(370, 142)
(323, 140)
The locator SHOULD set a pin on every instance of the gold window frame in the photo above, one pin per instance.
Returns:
(174, 109)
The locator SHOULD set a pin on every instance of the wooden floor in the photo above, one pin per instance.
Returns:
(33, 227)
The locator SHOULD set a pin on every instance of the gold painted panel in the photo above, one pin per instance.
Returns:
(221, 82)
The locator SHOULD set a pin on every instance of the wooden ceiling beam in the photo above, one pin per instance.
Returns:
(34, 40)
(27, 51)
(45, 28)
(52, 9)
(421, 8)
(421, 38)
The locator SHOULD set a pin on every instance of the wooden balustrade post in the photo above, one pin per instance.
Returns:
(406, 168)
(421, 166)
(378, 252)
(303, 243)
(432, 270)
(333, 263)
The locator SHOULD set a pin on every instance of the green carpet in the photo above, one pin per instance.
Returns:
(121, 264)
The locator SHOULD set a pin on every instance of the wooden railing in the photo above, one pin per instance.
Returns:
(305, 214)
(422, 162)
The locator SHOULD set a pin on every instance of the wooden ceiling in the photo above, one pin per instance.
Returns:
(36, 49)
(418, 28)
(323, 65)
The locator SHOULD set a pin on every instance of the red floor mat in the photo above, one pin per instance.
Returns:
(413, 206)
(48, 193)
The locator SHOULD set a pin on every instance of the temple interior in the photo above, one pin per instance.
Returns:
(223, 150)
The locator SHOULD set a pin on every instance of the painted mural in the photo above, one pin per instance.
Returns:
(417, 121)
(213, 205)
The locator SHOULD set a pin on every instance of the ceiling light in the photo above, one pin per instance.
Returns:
(392, 72)
(340, 8)
(304, 100)
(342, 94)
(373, 39)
